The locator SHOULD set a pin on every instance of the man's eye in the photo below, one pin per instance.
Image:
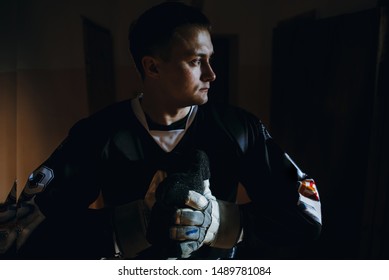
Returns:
(196, 62)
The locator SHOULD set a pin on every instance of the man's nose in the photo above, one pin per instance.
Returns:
(208, 75)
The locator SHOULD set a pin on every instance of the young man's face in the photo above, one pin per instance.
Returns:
(186, 75)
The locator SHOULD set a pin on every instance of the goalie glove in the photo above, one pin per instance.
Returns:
(206, 221)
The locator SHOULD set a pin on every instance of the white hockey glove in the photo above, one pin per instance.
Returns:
(205, 222)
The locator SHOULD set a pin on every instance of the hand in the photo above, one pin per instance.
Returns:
(196, 225)
(180, 231)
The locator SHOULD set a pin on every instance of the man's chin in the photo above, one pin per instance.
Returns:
(202, 100)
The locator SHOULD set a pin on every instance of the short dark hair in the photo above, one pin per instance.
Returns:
(152, 32)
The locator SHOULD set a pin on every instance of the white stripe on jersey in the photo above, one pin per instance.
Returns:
(167, 140)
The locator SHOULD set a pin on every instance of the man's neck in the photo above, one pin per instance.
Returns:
(160, 113)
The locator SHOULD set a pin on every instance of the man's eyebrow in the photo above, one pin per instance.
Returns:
(201, 54)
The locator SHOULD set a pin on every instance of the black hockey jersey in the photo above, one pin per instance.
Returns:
(111, 153)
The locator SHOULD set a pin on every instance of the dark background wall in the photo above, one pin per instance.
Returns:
(44, 77)
(329, 75)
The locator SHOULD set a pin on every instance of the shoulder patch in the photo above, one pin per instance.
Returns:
(38, 181)
(308, 189)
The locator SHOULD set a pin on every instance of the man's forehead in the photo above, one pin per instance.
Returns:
(193, 41)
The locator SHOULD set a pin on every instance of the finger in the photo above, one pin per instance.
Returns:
(207, 191)
(188, 247)
(189, 217)
(196, 201)
(185, 233)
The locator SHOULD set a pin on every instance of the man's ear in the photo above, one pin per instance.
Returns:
(150, 66)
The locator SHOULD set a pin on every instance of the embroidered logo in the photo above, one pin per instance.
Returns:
(308, 189)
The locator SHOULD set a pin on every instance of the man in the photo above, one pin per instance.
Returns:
(128, 151)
